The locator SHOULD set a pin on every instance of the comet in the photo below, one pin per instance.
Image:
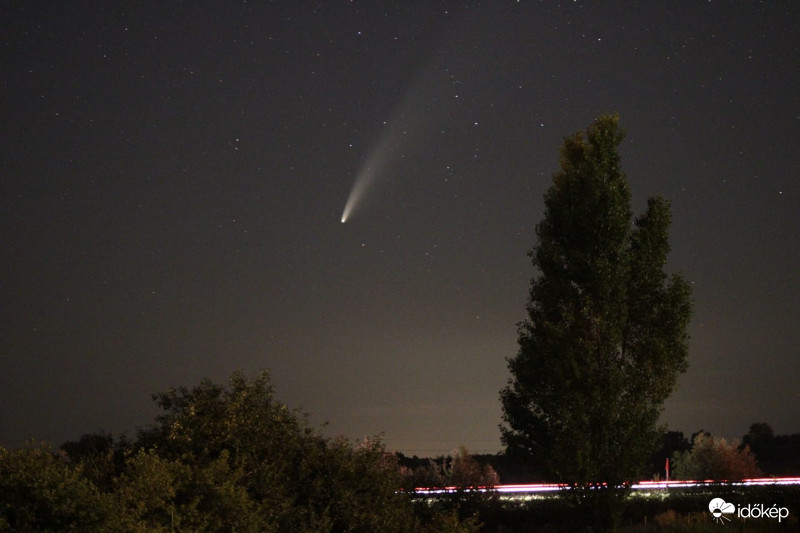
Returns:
(402, 134)
(390, 145)
(406, 131)
(360, 186)
(363, 182)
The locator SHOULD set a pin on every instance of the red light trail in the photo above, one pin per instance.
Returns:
(538, 488)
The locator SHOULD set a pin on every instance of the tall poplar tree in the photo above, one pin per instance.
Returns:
(606, 334)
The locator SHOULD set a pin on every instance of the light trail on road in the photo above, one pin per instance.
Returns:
(543, 488)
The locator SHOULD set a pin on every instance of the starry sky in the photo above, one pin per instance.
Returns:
(174, 176)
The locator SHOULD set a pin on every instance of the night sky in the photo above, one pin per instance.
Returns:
(174, 176)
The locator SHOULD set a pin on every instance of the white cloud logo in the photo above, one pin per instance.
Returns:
(719, 508)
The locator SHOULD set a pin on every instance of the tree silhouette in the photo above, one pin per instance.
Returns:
(605, 337)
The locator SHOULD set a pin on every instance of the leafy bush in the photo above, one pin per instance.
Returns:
(42, 491)
(219, 458)
(715, 459)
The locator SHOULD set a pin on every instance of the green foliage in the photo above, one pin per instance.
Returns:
(157, 494)
(220, 458)
(263, 439)
(605, 337)
(451, 522)
(460, 470)
(42, 491)
(294, 479)
(715, 459)
(355, 488)
(97, 458)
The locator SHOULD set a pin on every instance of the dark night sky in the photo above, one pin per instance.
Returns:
(173, 178)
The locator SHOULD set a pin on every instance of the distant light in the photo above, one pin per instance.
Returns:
(533, 488)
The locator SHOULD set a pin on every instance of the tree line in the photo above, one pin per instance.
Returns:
(218, 458)
(700, 456)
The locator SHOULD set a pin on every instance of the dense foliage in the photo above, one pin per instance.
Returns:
(715, 459)
(605, 337)
(42, 491)
(219, 458)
